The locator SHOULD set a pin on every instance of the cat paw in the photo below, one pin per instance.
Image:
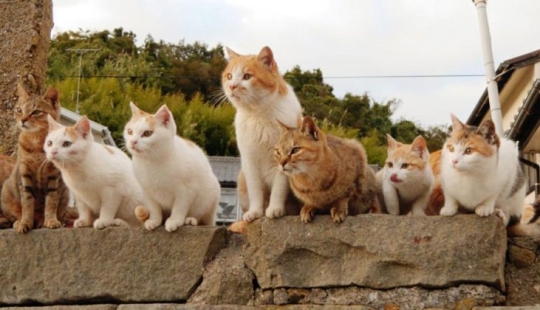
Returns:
(22, 226)
(448, 211)
(172, 225)
(306, 215)
(484, 210)
(337, 216)
(252, 215)
(274, 212)
(52, 223)
(151, 224)
(101, 223)
(498, 212)
(80, 223)
(191, 221)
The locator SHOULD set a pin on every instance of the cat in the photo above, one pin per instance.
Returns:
(100, 176)
(480, 172)
(436, 199)
(406, 179)
(7, 163)
(174, 173)
(327, 173)
(262, 98)
(34, 195)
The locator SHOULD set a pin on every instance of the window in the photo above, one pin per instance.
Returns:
(228, 206)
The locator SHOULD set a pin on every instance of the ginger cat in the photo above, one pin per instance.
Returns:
(262, 99)
(174, 173)
(34, 195)
(406, 179)
(327, 173)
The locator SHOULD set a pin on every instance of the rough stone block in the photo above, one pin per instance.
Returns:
(523, 272)
(118, 265)
(377, 251)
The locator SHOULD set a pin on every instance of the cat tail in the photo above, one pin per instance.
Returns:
(142, 213)
(531, 227)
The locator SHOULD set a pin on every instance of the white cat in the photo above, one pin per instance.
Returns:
(406, 179)
(480, 172)
(100, 177)
(175, 174)
(262, 99)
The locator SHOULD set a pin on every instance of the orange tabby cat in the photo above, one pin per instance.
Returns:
(34, 195)
(327, 173)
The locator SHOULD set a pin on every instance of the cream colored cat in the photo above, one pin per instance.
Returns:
(174, 173)
(262, 99)
(100, 177)
(327, 173)
(406, 180)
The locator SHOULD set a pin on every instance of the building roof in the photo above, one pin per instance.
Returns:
(226, 169)
(97, 129)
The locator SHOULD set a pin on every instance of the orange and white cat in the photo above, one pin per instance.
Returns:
(480, 172)
(262, 99)
(174, 173)
(406, 180)
(327, 173)
(100, 177)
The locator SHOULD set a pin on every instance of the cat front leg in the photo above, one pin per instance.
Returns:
(26, 190)
(487, 207)
(85, 215)
(278, 195)
(108, 209)
(391, 198)
(52, 200)
(254, 184)
(307, 213)
(155, 215)
(339, 211)
(179, 214)
(450, 206)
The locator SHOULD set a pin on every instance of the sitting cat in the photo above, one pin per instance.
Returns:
(175, 174)
(100, 177)
(261, 98)
(406, 179)
(327, 173)
(35, 194)
(480, 172)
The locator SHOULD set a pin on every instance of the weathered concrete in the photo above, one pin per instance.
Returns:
(377, 251)
(523, 272)
(67, 266)
(25, 27)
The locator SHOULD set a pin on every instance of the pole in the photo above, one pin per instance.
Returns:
(80, 52)
(489, 67)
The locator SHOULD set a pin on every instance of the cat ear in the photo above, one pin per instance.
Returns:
(309, 128)
(163, 115)
(134, 109)
(266, 57)
(392, 144)
(53, 125)
(487, 131)
(52, 96)
(23, 94)
(457, 125)
(83, 126)
(232, 54)
(419, 146)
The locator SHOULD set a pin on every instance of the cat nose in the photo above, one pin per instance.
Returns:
(133, 142)
(454, 162)
(233, 86)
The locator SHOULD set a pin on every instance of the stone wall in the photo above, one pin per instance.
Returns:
(367, 262)
(25, 28)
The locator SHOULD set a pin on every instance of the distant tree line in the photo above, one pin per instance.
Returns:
(186, 77)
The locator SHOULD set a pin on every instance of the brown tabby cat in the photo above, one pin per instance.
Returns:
(325, 172)
(34, 195)
(6, 167)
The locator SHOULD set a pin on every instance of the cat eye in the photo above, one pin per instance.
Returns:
(18, 110)
(404, 166)
(147, 133)
(389, 164)
(451, 148)
(36, 112)
(468, 151)
(66, 144)
(295, 150)
(247, 76)
(49, 143)
(130, 132)
(229, 76)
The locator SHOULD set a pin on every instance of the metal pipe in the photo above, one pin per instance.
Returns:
(489, 67)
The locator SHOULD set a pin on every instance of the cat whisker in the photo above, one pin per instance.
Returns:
(218, 97)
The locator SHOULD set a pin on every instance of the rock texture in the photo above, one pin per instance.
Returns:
(67, 266)
(377, 251)
(523, 272)
(25, 26)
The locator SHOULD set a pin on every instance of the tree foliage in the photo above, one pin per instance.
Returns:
(186, 77)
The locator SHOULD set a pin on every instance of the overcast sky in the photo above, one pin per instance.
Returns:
(343, 38)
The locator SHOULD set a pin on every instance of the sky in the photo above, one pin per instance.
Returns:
(349, 40)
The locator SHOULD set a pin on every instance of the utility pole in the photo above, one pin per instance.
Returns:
(80, 52)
